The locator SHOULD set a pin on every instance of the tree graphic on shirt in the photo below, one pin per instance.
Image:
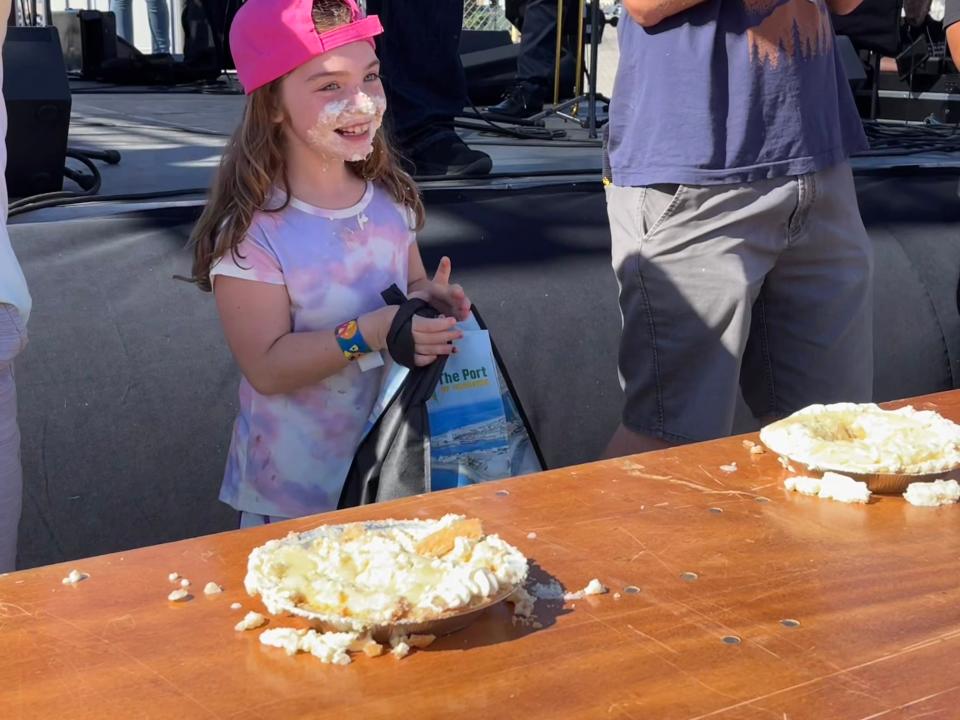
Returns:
(787, 31)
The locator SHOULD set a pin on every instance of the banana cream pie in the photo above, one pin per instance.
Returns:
(865, 439)
(378, 573)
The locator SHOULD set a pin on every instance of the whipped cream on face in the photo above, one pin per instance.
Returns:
(866, 439)
(345, 128)
(379, 573)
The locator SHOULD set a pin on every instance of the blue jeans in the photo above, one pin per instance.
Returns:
(158, 15)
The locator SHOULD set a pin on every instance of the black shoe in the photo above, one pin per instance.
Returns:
(444, 153)
(520, 102)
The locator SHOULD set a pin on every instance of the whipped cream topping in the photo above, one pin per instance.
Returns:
(864, 438)
(933, 494)
(371, 574)
(831, 486)
(327, 647)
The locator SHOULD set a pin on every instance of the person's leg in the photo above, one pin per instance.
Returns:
(159, 16)
(536, 62)
(12, 340)
(249, 520)
(815, 314)
(690, 262)
(425, 84)
(123, 11)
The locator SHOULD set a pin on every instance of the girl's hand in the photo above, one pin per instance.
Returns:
(432, 337)
(447, 298)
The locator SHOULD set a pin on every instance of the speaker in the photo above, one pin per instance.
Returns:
(852, 64)
(37, 97)
(88, 38)
(489, 60)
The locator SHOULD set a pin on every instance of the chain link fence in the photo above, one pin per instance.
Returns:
(485, 15)
(490, 14)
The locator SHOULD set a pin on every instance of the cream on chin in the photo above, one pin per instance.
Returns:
(345, 129)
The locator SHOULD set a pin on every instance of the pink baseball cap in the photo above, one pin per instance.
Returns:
(269, 38)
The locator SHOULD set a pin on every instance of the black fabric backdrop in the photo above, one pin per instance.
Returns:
(127, 391)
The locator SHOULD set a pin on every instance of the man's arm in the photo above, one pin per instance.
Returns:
(951, 21)
(843, 7)
(953, 40)
(4, 18)
(650, 12)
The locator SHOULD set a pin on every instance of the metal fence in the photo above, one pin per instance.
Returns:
(489, 14)
(484, 15)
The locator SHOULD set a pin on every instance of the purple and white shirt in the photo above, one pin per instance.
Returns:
(289, 454)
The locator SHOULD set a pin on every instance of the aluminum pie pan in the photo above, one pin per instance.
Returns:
(879, 483)
(444, 623)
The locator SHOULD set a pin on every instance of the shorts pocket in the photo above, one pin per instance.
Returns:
(13, 333)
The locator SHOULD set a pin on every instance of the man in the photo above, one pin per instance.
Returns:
(14, 309)
(951, 23)
(425, 84)
(737, 241)
(537, 59)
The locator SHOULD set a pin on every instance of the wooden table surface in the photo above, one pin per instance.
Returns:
(875, 590)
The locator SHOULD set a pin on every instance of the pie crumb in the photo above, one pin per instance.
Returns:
(531, 536)
(400, 650)
(594, 587)
(251, 621)
(211, 588)
(421, 641)
(372, 649)
(178, 595)
(236, 606)
(731, 468)
(74, 577)
(173, 577)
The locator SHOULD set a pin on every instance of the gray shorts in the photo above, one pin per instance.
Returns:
(763, 288)
(13, 338)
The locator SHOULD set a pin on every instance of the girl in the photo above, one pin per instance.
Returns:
(309, 219)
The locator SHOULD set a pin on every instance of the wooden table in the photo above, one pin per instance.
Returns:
(720, 561)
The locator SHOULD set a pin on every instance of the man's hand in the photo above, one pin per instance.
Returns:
(652, 12)
(4, 18)
(843, 7)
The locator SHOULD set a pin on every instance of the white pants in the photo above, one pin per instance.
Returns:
(13, 338)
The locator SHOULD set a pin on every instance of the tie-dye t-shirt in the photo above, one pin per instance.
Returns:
(731, 91)
(289, 454)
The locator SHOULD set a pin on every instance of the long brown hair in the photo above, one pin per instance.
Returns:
(253, 164)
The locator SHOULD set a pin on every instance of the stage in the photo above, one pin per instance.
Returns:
(127, 390)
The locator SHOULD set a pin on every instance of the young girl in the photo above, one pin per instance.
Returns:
(309, 219)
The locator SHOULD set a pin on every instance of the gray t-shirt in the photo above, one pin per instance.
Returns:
(731, 91)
